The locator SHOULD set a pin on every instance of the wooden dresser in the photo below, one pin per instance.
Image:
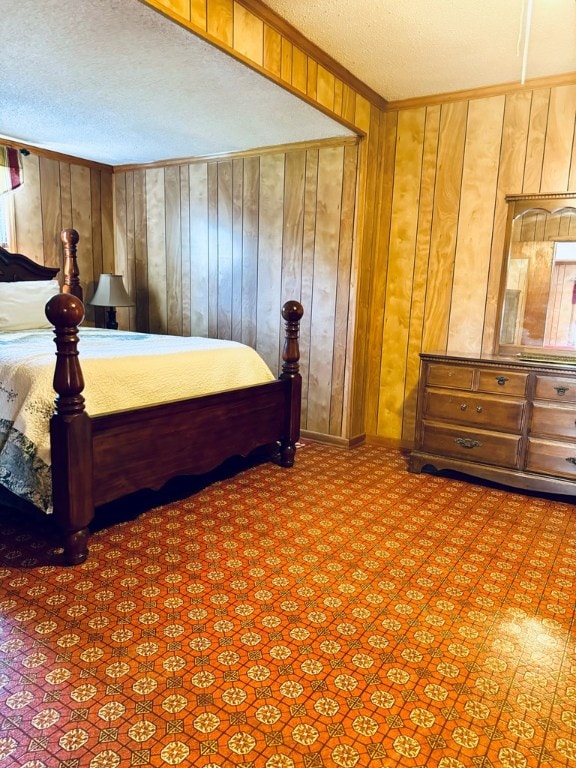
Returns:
(509, 421)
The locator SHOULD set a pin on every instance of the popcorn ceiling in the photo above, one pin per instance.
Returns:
(115, 82)
(408, 48)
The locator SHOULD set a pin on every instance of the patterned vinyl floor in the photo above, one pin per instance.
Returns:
(341, 613)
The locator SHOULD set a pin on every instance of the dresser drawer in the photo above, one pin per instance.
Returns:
(502, 382)
(452, 376)
(559, 389)
(478, 410)
(553, 420)
(549, 457)
(471, 444)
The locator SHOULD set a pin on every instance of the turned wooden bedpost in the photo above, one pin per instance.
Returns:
(292, 312)
(71, 274)
(70, 432)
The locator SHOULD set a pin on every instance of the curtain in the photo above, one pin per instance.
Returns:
(10, 169)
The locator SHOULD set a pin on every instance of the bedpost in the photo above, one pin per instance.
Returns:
(292, 312)
(70, 432)
(71, 274)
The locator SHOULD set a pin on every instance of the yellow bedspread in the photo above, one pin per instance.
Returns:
(121, 370)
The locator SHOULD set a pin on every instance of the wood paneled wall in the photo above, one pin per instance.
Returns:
(59, 194)
(215, 248)
(448, 168)
(252, 33)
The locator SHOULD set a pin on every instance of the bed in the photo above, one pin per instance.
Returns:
(101, 457)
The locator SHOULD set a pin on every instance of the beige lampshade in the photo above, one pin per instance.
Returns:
(110, 292)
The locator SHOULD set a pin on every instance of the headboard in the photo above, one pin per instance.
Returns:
(16, 267)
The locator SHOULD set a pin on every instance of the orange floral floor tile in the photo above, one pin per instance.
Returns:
(340, 613)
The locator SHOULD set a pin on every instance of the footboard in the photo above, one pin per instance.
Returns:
(96, 460)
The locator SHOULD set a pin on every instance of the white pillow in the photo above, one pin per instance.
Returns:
(22, 304)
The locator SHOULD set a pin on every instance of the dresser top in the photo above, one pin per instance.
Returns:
(561, 361)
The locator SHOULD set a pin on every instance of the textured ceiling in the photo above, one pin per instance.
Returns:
(114, 81)
(408, 48)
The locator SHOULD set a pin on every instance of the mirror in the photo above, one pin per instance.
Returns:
(538, 294)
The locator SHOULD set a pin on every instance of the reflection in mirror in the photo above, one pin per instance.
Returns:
(538, 300)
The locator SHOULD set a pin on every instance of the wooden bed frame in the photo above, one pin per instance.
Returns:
(96, 460)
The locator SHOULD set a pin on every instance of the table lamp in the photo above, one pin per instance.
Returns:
(110, 293)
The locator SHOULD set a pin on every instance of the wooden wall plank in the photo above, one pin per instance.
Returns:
(370, 249)
(536, 141)
(399, 280)
(179, 7)
(510, 171)
(299, 69)
(268, 296)
(219, 24)
(82, 218)
(338, 96)
(250, 207)
(307, 289)
(293, 225)
(213, 250)
(237, 247)
(107, 223)
(121, 184)
(425, 211)
(311, 88)
(475, 224)
(444, 225)
(559, 140)
(66, 195)
(198, 14)
(330, 172)
(348, 103)
(325, 88)
(96, 218)
(199, 250)
(173, 250)
(377, 277)
(225, 206)
(156, 241)
(141, 293)
(184, 178)
(362, 113)
(127, 315)
(248, 34)
(286, 61)
(28, 212)
(338, 404)
(272, 51)
(572, 175)
(49, 177)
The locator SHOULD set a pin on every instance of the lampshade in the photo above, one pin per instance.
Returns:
(110, 292)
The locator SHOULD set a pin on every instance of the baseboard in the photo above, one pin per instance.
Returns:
(339, 442)
(390, 442)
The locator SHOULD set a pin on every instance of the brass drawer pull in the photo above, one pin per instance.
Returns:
(561, 390)
(466, 442)
(501, 380)
(478, 409)
(463, 407)
(571, 459)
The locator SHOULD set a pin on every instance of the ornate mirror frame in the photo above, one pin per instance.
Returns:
(537, 299)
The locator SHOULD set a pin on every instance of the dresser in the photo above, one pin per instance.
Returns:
(501, 419)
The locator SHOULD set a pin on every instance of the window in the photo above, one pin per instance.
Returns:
(7, 228)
